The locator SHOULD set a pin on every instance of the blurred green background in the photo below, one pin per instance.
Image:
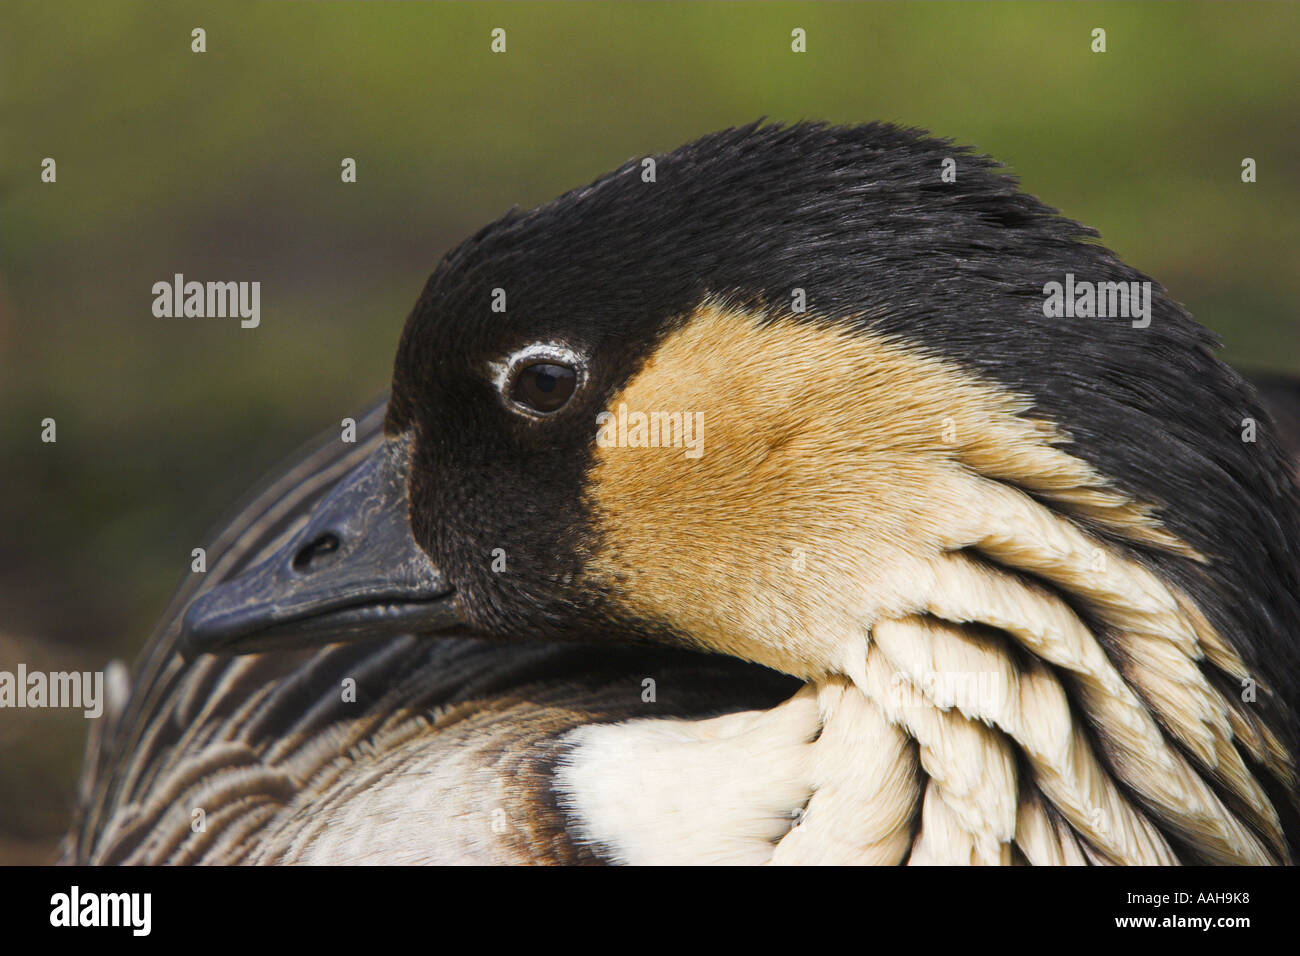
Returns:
(225, 165)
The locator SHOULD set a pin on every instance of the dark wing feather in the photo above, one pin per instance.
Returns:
(132, 747)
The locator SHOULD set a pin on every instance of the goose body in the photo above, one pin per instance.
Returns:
(761, 513)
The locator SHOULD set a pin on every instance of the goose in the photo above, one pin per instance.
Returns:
(760, 510)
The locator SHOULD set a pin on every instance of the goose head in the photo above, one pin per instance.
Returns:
(795, 395)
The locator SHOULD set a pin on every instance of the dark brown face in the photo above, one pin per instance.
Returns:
(501, 443)
(476, 503)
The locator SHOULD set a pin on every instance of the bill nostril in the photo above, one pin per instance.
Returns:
(315, 552)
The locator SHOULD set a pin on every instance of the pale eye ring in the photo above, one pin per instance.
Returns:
(539, 380)
(543, 387)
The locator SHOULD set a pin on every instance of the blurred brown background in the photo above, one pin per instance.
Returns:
(225, 166)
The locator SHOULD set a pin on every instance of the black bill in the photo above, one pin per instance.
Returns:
(354, 571)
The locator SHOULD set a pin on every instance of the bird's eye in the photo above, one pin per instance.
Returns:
(543, 387)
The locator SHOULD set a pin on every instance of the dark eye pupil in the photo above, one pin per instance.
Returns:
(544, 387)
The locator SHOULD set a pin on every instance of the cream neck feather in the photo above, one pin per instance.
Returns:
(985, 724)
(901, 529)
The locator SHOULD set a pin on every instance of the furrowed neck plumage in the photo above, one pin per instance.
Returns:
(886, 526)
